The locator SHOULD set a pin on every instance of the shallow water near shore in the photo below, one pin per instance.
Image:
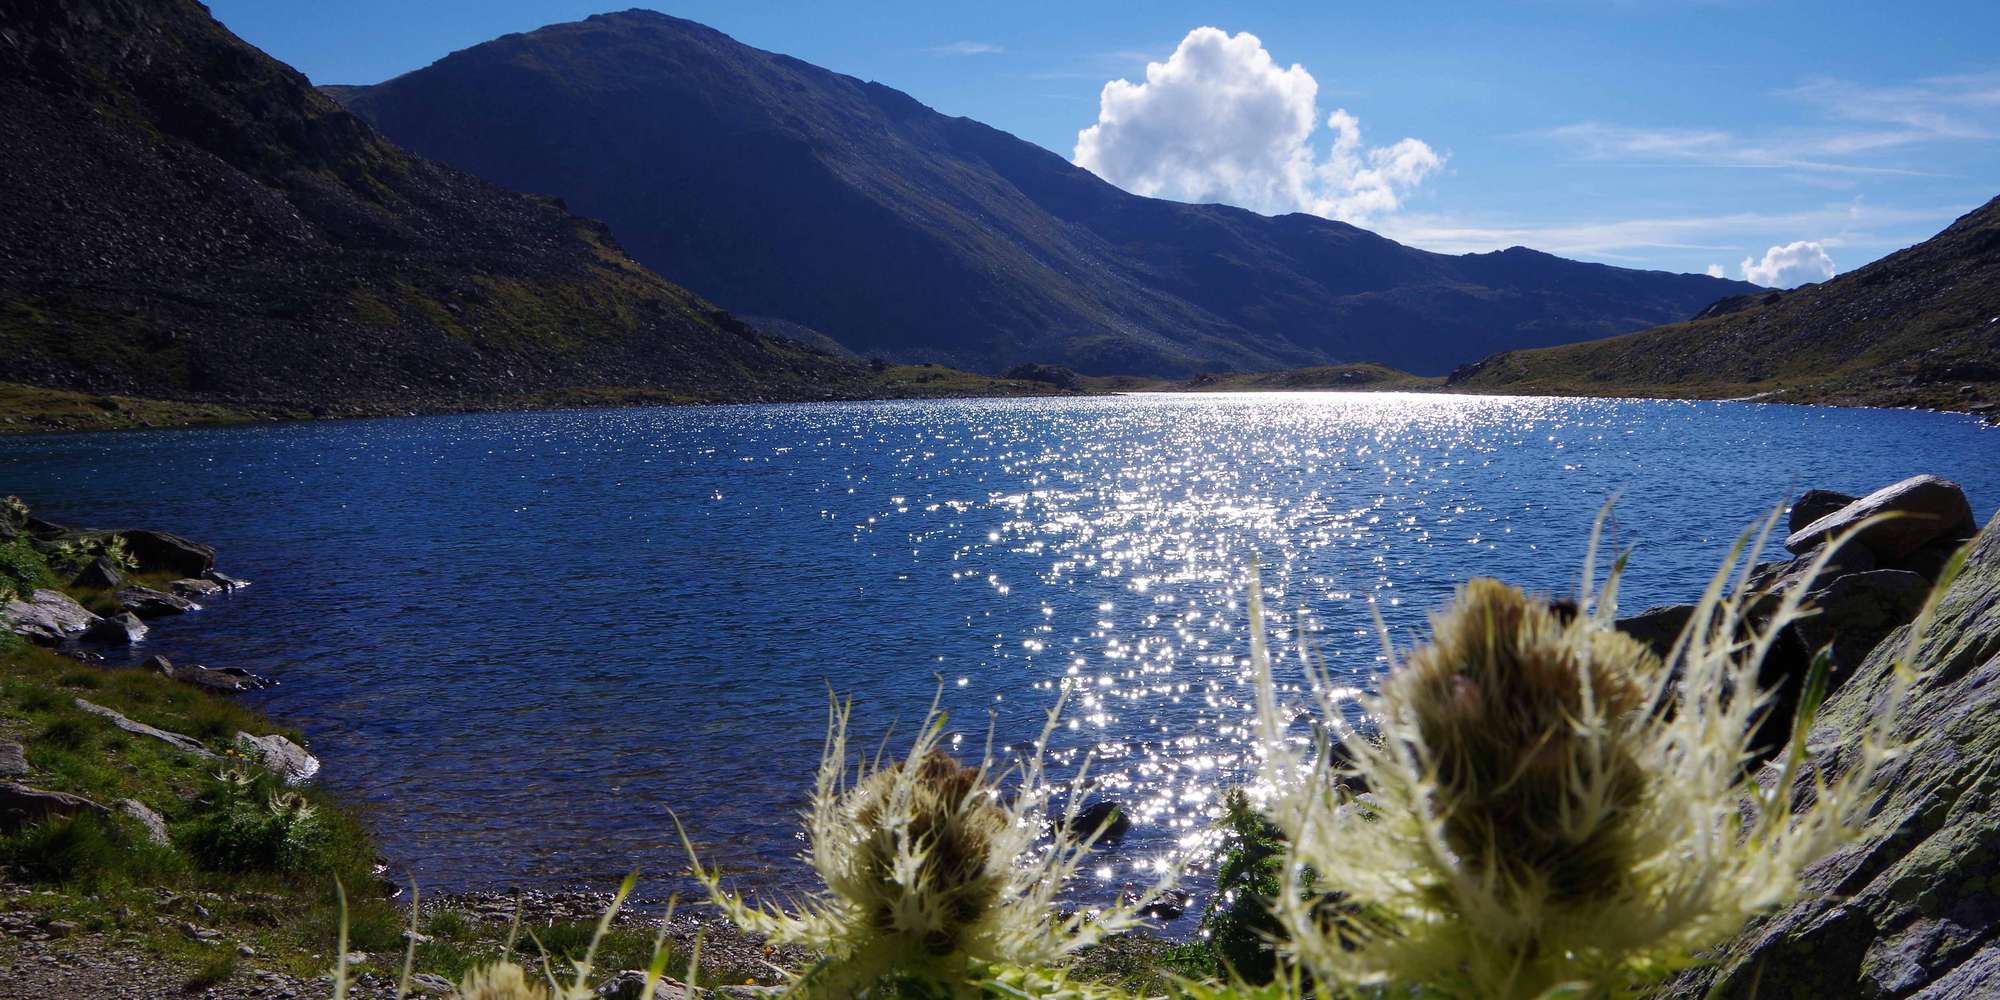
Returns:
(520, 639)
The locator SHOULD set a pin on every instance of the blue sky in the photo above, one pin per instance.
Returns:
(1795, 138)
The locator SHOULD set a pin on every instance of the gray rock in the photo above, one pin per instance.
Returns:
(47, 617)
(13, 759)
(1813, 505)
(431, 982)
(155, 824)
(1658, 627)
(195, 590)
(102, 574)
(1911, 908)
(1928, 508)
(279, 755)
(1106, 816)
(228, 680)
(226, 581)
(121, 629)
(21, 805)
(148, 603)
(1856, 611)
(161, 551)
(186, 744)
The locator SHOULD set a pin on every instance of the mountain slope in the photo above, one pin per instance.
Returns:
(182, 217)
(1920, 327)
(784, 190)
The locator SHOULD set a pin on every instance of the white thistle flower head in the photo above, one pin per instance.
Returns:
(1550, 805)
(500, 981)
(930, 869)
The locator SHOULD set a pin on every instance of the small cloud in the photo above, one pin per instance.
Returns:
(1790, 266)
(1717, 271)
(967, 49)
(1220, 120)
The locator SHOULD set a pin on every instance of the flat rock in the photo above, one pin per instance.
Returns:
(154, 823)
(21, 805)
(226, 581)
(148, 603)
(47, 617)
(279, 755)
(1928, 508)
(228, 680)
(178, 741)
(195, 590)
(13, 759)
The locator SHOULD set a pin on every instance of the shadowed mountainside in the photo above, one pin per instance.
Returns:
(1920, 327)
(784, 190)
(185, 218)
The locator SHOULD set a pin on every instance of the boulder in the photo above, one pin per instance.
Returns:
(1927, 508)
(1854, 613)
(47, 617)
(149, 603)
(1168, 906)
(195, 590)
(280, 756)
(154, 824)
(1658, 627)
(1928, 562)
(1911, 907)
(226, 581)
(102, 574)
(121, 629)
(1813, 505)
(1105, 816)
(186, 744)
(13, 759)
(21, 805)
(163, 552)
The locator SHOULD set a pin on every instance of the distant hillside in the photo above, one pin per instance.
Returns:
(787, 191)
(1920, 327)
(184, 218)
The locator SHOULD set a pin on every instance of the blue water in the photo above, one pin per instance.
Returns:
(521, 639)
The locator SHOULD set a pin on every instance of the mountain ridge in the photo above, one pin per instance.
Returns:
(1919, 327)
(785, 190)
(184, 218)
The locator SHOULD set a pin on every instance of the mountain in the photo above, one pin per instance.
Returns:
(185, 218)
(783, 190)
(1920, 327)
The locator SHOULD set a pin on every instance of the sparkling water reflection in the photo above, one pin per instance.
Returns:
(522, 639)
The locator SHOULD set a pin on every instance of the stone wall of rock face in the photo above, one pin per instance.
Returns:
(1913, 908)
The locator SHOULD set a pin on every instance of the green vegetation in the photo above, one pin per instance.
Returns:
(22, 570)
(26, 409)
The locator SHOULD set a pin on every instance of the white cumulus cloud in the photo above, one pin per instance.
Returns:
(1220, 120)
(1717, 271)
(1790, 265)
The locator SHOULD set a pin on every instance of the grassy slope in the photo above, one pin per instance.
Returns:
(1920, 327)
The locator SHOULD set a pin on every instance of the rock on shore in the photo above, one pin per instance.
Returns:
(1912, 909)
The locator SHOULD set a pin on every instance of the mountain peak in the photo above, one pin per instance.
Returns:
(785, 190)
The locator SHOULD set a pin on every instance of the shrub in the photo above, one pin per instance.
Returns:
(23, 570)
(85, 850)
(1239, 923)
(248, 824)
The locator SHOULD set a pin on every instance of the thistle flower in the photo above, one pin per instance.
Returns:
(931, 873)
(1552, 806)
(500, 981)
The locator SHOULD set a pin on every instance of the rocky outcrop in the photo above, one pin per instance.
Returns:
(148, 603)
(1873, 584)
(118, 630)
(48, 617)
(1921, 510)
(1912, 909)
(159, 550)
(229, 680)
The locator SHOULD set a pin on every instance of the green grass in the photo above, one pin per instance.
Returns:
(26, 409)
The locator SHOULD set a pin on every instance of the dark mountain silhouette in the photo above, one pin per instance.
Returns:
(787, 191)
(182, 217)
(1920, 327)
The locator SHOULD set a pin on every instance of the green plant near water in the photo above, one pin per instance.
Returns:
(252, 824)
(1553, 810)
(934, 878)
(23, 570)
